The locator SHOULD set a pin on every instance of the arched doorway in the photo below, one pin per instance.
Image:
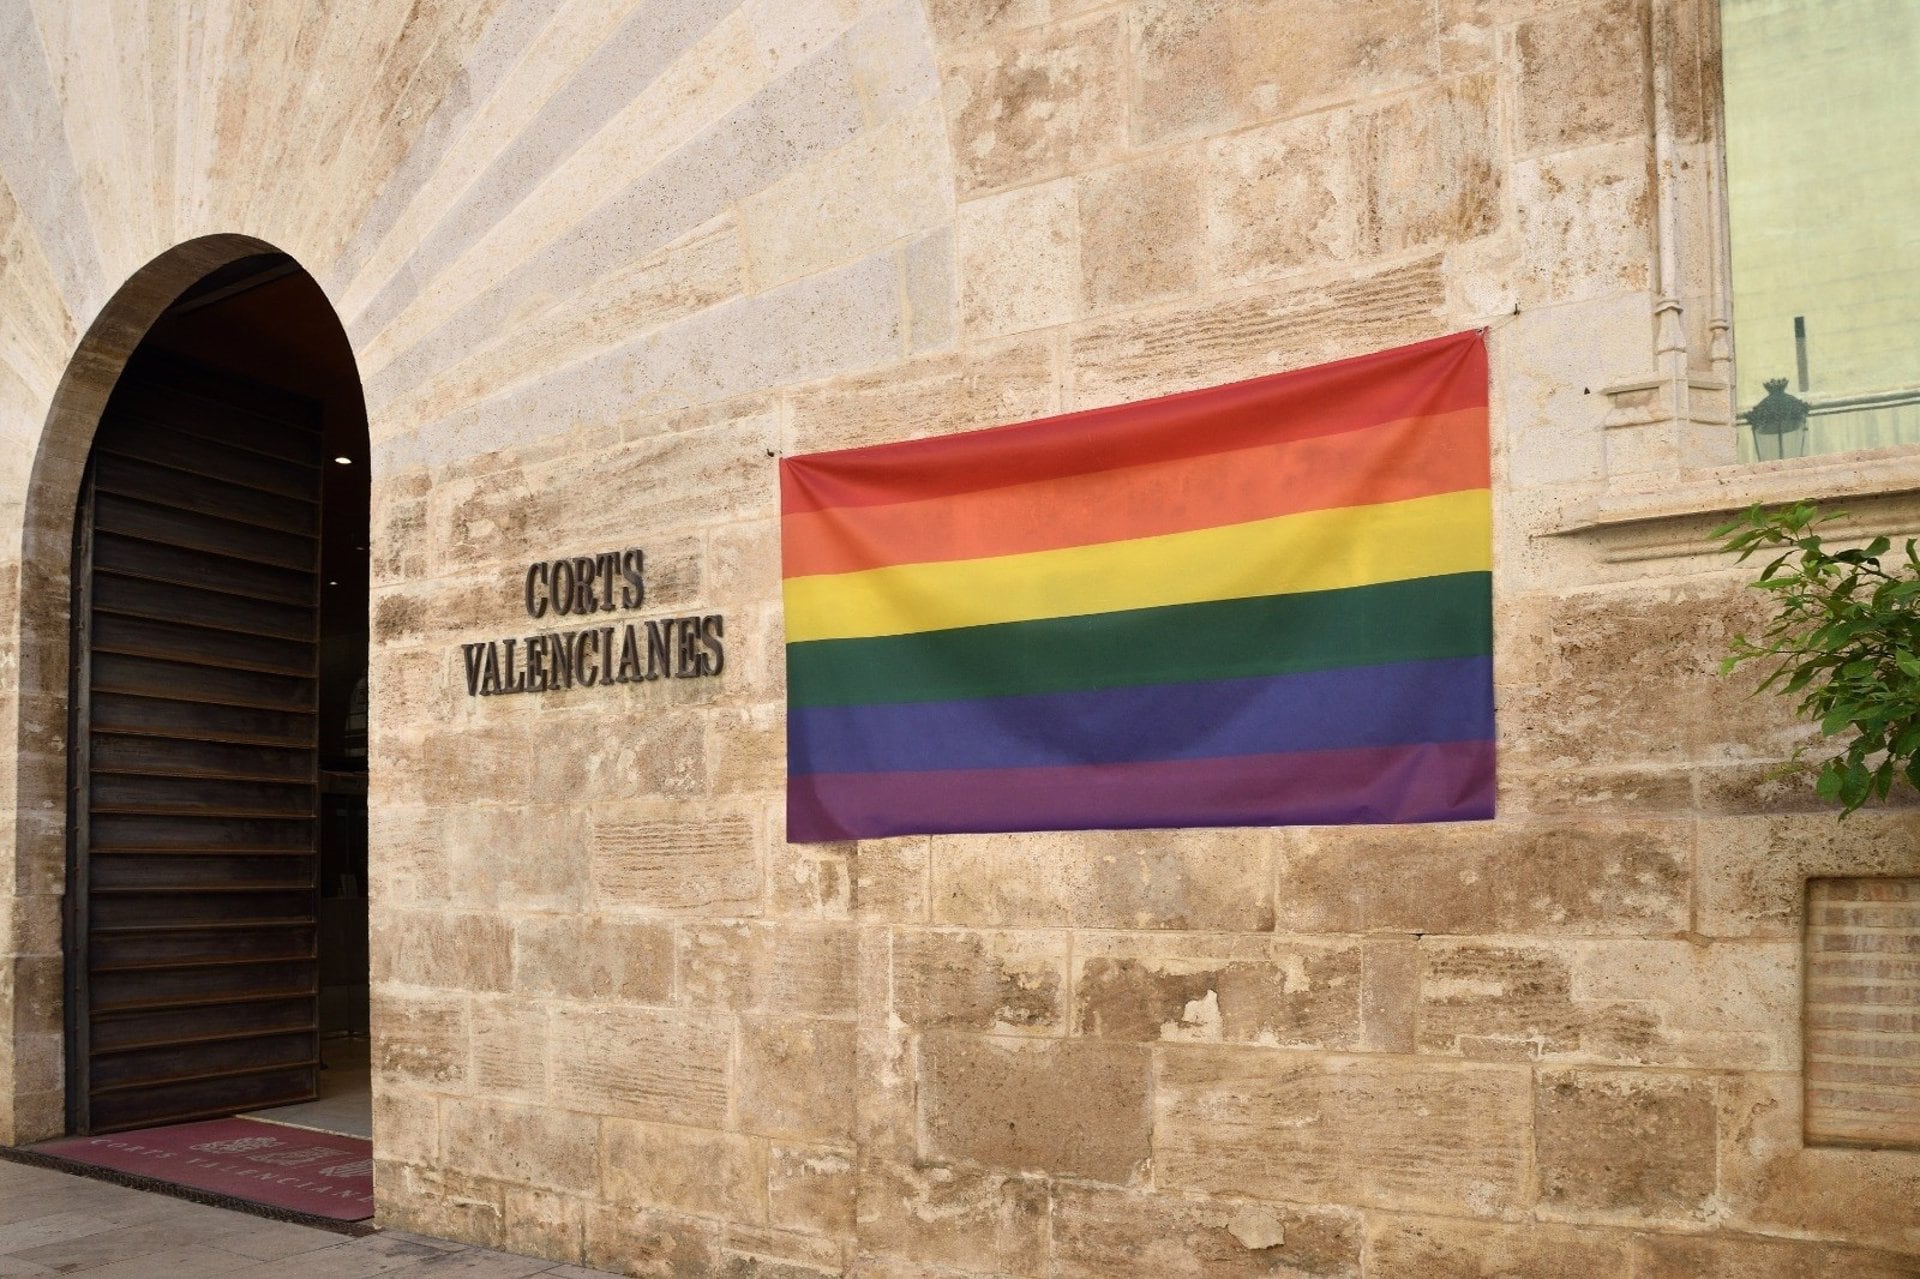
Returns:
(215, 907)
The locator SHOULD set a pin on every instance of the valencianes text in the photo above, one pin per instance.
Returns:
(596, 654)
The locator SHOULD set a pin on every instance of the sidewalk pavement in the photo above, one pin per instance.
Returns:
(53, 1223)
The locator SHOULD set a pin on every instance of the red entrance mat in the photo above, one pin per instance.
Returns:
(312, 1172)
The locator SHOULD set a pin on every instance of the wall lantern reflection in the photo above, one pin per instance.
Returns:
(1779, 423)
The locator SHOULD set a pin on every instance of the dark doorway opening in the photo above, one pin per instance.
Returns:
(216, 904)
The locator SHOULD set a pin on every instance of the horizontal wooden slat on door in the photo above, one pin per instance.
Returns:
(195, 977)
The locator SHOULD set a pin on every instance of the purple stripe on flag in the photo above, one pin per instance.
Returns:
(1425, 782)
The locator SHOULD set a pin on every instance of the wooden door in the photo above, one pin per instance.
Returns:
(193, 892)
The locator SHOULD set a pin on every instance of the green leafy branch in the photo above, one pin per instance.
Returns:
(1844, 640)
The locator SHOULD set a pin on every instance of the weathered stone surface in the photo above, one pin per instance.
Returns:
(690, 1170)
(986, 385)
(509, 1050)
(1627, 1002)
(673, 861)
(1290, 197)
(1135, 234)
(1071, 1108)
(1582, 76)
(811, 1188)
(452, 951)
(1097, 1233)
(1773, 1182)
(1378, 1132)
(421, 1038)
(656, 1245)
(1753, 870)
(641, 1063)
(525, 1144)
(1040, 103)
(777, 967)
(1186, 880)
(1567, 878)
(1284, 993)
(1019, 260)
(796, 1078)
(583, 958)
(937, 1216)
(1681, 1257)
(1625, 1144)
(999, 982)
(1443, 1248)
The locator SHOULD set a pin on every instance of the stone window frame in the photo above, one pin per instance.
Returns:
(1671, 465)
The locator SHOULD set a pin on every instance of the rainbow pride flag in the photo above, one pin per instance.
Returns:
(1262, 604)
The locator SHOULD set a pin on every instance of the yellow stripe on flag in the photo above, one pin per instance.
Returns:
(1310, 551)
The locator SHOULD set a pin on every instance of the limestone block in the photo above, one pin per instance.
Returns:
(1773, 1182)
(580, 957)
(1431, 170)
(890, 878)
(1068, 1107)
(690, 1170)
(796, 1078)
(1292, 57)
(1401, 1133)
(406, 1122)
(1444, 1248)
(1567, 878)
(651, 1245)
(428, 1198)
(1289, 993)
(986, 385)
(1098, 1233)
(1600, 651)
(640, 1063)
(1188, 344)
(1625, 1145)
(1672, 1003)
(1389, 995)
(811, 1188)
(959, 21)
(509, 1049)
(420, 1038)
(785, 967)
(767, 1252)
(808, 881)
(1753, 870)
(1018, 256)
(527, 1145)
(1584, 219)
(454, 951)
(1182, 54)
(1582, 76)
(1140, 226)
(1119, 879)
(1551, 358)
(966, 1218)
(743, 564)
(652, 859)
(1285, 197)
(659, 756)
(531, 858)
(1040, 103)
(544, 1223)
(1005, 983)
(885, 185)
(1684, 1257)
(928, 265)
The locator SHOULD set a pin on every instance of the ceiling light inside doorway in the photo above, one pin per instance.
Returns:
(344, 461)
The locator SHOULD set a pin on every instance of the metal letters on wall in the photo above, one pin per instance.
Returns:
(597, 654)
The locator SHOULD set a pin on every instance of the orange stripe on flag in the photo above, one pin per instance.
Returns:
(1415, 457)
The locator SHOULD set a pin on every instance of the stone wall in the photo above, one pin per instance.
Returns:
(603, 262)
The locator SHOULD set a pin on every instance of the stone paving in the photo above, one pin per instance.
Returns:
(52, 1223)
